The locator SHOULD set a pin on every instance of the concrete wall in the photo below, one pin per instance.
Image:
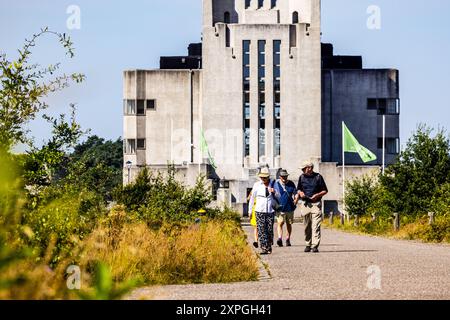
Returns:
(300, 91)
(345, 94)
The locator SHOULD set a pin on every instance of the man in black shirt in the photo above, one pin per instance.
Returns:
(311, 189)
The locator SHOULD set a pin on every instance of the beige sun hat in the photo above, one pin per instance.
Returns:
(264, 173)
(306, 164)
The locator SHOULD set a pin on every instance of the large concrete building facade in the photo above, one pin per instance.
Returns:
(262, 90)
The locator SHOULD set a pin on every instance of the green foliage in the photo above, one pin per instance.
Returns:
(64, 221)
(24, 85)
(360, 195)
(441, 201)
(41, 164)
(419, 172)
(158, 198)
(97, 165)
(10, 204)
(104, 288)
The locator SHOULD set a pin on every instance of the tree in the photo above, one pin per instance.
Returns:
(420, 170)
(23, 85)
(41, 164)
(360, 195)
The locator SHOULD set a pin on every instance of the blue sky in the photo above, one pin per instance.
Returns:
(119, 35)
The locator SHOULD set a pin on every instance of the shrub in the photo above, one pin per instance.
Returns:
(67, 219)
(360, 195)
(157, 198)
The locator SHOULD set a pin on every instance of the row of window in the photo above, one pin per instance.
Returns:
(277, 95)
(273, 3)
(262, 96)
(131, 145)
(138, 107)
(384, 106)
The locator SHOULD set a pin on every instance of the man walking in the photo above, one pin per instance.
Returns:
(285, 192)
(311, 189)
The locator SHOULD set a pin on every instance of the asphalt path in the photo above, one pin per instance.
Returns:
(348, 267)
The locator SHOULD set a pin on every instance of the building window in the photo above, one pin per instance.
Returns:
(140, 144)
(226, 17)
(277, 95)
(151, 104)
(372, 104)
(247, 4)
(295, 17)
(260, 4)
(392, 145)
(262, 96)
(130, 146)
(246, 96)
(129, 107)
(384, 106)
(140, 108)
(273, 3)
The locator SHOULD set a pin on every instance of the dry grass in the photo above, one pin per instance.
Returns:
(208, 253)
(409, 230)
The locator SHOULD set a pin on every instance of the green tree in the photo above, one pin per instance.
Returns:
(360, 195)
(415, 178)
(97, 164)
(23, 85)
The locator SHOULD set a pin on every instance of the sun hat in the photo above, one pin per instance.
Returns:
(264, 173)
(306, 164)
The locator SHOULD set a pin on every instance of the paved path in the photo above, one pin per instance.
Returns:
(409, 270)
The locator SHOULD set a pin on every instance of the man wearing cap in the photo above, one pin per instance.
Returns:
(285, 192)
(311, 189)
(262, 198)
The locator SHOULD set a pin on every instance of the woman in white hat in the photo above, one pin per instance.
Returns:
(262, 198)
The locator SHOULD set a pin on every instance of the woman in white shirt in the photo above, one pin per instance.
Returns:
(263, 192)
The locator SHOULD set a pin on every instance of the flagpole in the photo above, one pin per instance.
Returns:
(384, 143)
(343, 169)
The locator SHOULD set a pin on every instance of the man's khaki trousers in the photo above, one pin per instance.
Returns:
(313, 220)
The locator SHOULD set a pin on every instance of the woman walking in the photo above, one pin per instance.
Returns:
(262, 199)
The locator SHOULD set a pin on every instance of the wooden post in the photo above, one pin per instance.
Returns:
(396, 221)
(356, 221)
(431, 215)
(342, 219)
(331, 218)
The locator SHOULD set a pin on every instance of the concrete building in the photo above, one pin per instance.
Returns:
(264, 91)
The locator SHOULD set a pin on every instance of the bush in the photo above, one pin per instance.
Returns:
(421, 169)
(64, 221)
(157, 198)
(360, 195)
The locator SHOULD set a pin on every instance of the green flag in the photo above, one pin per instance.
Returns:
(352, 145)
(204, 148)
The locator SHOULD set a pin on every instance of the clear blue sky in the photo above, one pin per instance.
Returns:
(119, 35)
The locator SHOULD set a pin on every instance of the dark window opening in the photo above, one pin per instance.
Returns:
(151, 104)
(141, 107)
(273, 4)
(295, 17)
(260, 4)
(247, 4)
(372, 104)
(141, 144)
(226, 17)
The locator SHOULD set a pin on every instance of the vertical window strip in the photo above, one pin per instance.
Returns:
(277, 95)
(246, 95)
